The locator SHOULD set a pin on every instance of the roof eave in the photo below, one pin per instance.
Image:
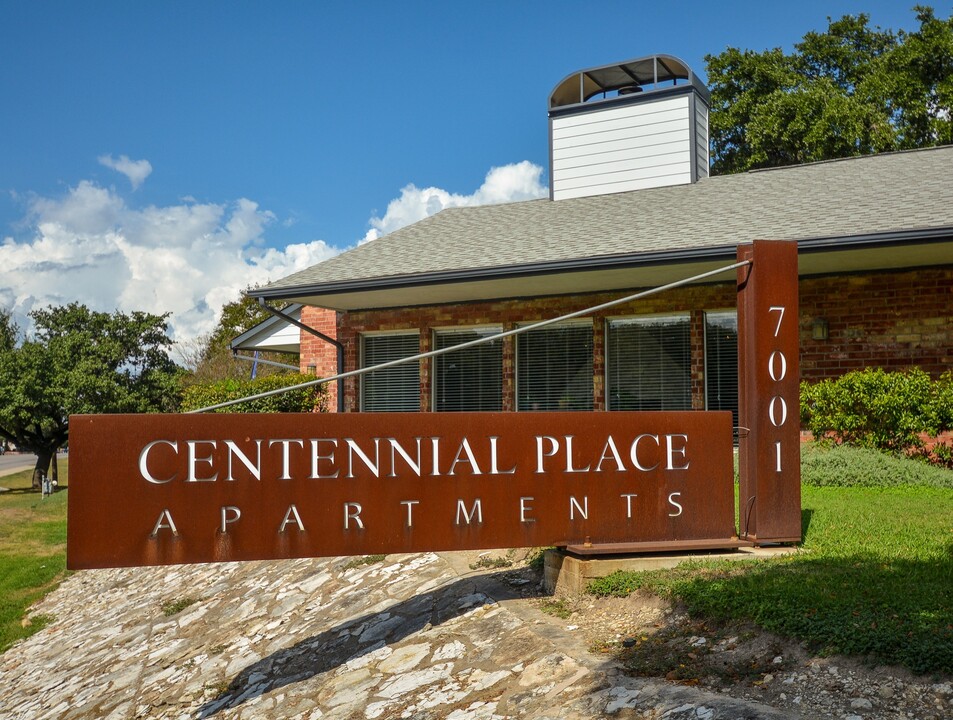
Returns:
(836, 247)
(874, 240)
(236, 342)
(667, 257)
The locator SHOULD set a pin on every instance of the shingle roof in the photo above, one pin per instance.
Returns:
(892, 192)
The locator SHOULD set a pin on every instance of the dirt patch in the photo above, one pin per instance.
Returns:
(649, 637)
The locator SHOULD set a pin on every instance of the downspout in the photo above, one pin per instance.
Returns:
(340, 348)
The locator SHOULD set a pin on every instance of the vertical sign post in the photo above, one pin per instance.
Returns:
(768, 405)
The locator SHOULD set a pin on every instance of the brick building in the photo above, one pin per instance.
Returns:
(631, 206)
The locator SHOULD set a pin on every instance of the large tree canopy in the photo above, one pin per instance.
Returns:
(853, 90)
(80, 361)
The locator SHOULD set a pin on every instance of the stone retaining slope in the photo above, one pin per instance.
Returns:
(414, 636)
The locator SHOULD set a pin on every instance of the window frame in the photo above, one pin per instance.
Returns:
(636, 319)
(434, 371)
(362, 387)
(726, 312)
(574, 323)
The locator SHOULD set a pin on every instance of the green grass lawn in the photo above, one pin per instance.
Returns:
(32, 550)
(873, 578)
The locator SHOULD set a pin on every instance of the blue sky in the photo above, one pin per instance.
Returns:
(165, 155)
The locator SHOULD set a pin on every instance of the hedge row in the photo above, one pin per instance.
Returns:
(309, 399)
(829, 465)
(890, 411)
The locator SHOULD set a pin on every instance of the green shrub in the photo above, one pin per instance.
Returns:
(846, 466)
(306, 399)
(943, 401)
(878, 409)
(942, 454)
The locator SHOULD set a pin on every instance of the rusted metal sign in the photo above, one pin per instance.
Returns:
(165, 489)
(769, 451)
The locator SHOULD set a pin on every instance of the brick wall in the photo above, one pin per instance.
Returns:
(890, 320)
(317, 356)
(507, 314)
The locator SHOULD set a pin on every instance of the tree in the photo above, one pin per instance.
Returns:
(80, 361)
(237, 317)
(8, 331)
(209, 358)
(919, 90)
(853, 90)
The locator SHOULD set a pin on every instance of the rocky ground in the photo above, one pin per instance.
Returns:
(416, 636)
(647, 637)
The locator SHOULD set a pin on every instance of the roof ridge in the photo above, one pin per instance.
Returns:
(866, 156)
(490, 204)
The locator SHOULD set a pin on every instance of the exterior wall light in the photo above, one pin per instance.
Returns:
(819, 331)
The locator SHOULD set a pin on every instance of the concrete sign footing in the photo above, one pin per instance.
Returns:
(567, 574)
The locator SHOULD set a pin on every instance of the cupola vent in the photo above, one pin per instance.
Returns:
(632, 125)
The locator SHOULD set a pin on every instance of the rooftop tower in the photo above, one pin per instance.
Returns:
(627, 126)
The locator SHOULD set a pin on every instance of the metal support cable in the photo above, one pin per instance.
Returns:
(317, 333)
(479, 341)
(287, 318)
(265, 362)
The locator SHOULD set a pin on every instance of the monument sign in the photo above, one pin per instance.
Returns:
(166, 489)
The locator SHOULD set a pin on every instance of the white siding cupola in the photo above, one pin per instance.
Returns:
(627, 126)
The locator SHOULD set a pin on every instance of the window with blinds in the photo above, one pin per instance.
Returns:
(554, 368)
(468, 379)
(721, 362)
(394, 389)
(649, 363)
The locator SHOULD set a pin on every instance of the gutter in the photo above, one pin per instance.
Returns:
(720, 253)
(444, 277)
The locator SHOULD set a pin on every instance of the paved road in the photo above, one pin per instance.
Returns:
(14, 462)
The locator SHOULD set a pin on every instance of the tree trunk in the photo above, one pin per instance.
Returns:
(43, 458)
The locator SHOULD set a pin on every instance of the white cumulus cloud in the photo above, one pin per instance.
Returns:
(136, 170)
(91, 246)
(510, 183)
(189, 259)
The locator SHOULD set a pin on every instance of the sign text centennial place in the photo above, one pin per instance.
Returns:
(165, 489)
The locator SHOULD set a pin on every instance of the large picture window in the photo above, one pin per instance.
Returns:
(721, 362)
(393, 389)
(649, 363)
(554, 368)
(471, 378)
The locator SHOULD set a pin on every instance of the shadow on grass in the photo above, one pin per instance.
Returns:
(894, 612)
(806, 515)
(351, 640)
(29, 490)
